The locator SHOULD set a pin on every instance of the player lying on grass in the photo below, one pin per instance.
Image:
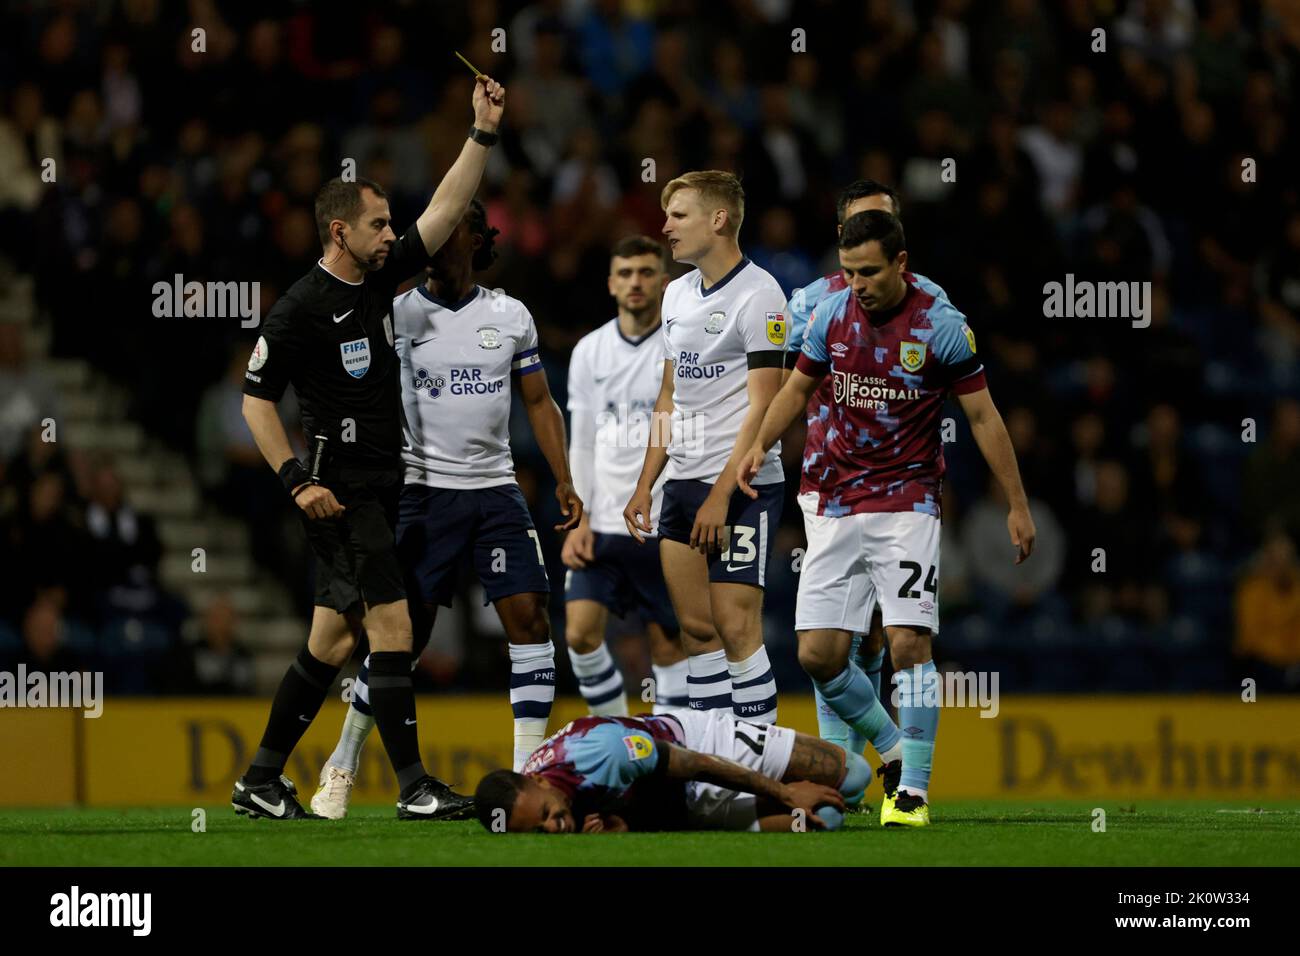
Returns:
(689, 770)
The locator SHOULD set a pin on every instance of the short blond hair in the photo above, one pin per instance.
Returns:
(717, 188)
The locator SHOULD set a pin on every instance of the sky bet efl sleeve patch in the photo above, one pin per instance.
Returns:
(776, 328)
(639, 746)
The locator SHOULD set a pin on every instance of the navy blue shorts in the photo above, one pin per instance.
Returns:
(753, 526)
(625, 577)
(437, 527)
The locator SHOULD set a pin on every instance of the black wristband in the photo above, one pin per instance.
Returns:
(483, 138)
(292, 474)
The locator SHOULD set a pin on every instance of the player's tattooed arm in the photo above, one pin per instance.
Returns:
(817, 760)
(994, 443)
(686, 764)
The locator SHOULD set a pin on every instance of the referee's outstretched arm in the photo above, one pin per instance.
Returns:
(457, 188)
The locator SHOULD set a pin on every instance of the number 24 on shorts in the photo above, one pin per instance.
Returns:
(914, 572)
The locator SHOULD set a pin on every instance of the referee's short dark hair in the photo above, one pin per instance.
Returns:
(874, 224)
(498, 791)
(630, 246)
(338, 199)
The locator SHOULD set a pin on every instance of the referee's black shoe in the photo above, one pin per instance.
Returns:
(274, 800)
(431, 799)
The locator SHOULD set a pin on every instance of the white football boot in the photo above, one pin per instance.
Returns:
(331, 800)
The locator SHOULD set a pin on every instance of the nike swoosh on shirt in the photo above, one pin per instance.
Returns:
(340, 318)
(409, 723)
(305, 720)
(416, 345)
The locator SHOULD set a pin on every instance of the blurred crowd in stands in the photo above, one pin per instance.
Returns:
(1163, 463)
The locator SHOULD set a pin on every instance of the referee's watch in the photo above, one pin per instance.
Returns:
(482, 138)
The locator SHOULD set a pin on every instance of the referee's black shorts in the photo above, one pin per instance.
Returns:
(356, 553)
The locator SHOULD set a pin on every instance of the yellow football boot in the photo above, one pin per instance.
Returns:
(889, 774)
(905, 810)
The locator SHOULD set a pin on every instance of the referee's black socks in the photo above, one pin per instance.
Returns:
(296, 704)
(393, 702)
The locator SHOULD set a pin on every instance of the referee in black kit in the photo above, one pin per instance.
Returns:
(331, 336)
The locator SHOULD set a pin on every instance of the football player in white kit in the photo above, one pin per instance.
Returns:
(725, 344)
(614, 376)
(462, 349)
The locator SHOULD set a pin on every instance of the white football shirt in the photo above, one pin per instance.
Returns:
(713, 337)
(613, 386)
(457, 359)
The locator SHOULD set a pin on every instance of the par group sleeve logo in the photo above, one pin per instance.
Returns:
(911, 355)
(776, 328)
(639, 746)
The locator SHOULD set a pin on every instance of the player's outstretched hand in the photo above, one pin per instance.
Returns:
(319, 502)
(1021, 526)
(748, 470)
(489, 103)
(570, 506)
(709, 531)
(637, 514)
(579, 546)
(807, 796)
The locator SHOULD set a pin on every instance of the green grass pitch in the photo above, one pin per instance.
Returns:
(987, 833)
